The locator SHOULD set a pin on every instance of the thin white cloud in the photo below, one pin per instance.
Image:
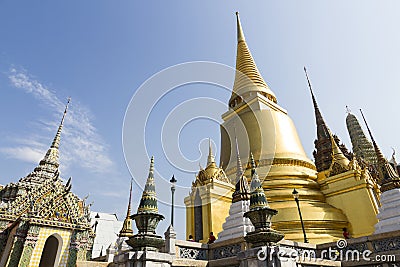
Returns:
(24, 153)
(81, 144)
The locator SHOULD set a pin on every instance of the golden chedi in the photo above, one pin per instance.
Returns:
(208, 203)
(264, 128)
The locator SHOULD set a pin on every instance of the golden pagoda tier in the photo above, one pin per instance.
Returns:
(265, 129)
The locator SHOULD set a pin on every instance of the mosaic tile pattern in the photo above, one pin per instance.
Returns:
(44, 233)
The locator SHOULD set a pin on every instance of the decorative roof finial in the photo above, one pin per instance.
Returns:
(211, 158)
(258, 199)
(240, 35)
(239, 167)
(128, 212)
(148, 202)
(126, 230)
(348, 110)
(56, 141)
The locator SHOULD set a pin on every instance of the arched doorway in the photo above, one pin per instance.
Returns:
(51, 252)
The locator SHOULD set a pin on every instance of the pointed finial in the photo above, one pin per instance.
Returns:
(240, 35)
(65, 110)
(151, 169)
(148, 202)
(56, 141)
(126, 230)
(242, 190)
(258, 199)
(348, 110)
(253, 163)
(211, 157)
(201, 167)
(239, 168)
(255, 180)
(309, 86)
(128, 212)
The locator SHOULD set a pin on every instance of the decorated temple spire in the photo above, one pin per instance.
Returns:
(362, 147)
(210, 158)
(52, 154)
(239, 167)
(323, 145)
(322, 128)
(48, 166)
(126, 230)
(242, 187)
(148, 202)
(388, 177)
(248, 77)
(56, 141)
(258, 199)
(260, 214)
(147, 218)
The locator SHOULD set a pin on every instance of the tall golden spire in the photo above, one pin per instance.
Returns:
(126, 230)
(248, 77)
(388, 177)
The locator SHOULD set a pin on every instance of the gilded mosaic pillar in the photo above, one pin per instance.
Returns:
(18, 245)
(29, 244)
(73, 250)
(3, 236)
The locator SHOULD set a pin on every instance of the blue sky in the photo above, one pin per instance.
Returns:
(100, 52)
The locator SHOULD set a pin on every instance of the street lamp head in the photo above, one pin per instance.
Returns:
(173, 180)
(295, 194)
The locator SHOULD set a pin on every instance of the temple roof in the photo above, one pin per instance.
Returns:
(42, 195)
(248, 77)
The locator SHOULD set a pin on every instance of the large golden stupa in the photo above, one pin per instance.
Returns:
(265, 129)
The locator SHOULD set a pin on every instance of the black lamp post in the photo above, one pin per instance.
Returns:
(173, 182)
(296, 198)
